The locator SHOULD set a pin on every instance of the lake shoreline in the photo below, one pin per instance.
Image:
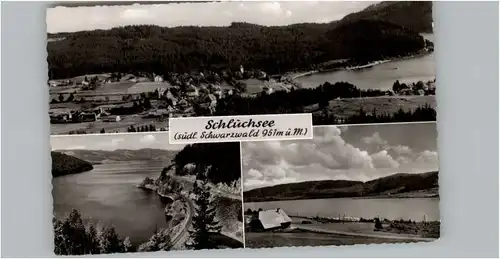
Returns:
(432, 196)
(368, 65)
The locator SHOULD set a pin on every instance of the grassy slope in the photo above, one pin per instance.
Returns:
(303, 238)
(393, 184)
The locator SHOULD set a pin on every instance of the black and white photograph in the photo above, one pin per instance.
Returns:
(361, 184)
(118, 193)
(129, 68)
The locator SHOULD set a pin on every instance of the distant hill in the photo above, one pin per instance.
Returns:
(414, 15)
(368, 40)
(123, 155)
(63, 164)
(394, 185)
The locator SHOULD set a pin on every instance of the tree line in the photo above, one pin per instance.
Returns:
(223, 159)
(275, 49)
(292, 101)
(422, 113)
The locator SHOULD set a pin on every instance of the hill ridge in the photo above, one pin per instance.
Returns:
(395, 184)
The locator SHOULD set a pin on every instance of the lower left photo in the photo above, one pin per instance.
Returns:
(120, 193)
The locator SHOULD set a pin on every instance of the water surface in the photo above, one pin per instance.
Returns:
(108, 195)
(381, 76)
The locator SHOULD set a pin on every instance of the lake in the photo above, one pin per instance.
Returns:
(381, 76)
(108, 195)
(414, 208)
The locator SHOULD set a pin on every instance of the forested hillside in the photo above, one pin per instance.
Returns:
(414, 15)
(63, 164)
(393, 184)
(274, 49)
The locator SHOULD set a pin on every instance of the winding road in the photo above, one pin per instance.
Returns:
(182, 236)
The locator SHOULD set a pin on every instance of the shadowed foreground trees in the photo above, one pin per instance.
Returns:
(74, 237)
(204, 223)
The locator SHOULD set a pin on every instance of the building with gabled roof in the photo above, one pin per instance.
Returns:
(270, 220)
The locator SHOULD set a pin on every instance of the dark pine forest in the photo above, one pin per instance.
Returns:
(276, 49)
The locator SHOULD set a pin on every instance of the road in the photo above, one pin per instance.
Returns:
(386, 236)
(182, 236)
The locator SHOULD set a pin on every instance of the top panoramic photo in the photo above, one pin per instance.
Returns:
(129, 68)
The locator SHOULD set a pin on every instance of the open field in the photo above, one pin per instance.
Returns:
(109, 127)
(305, 238)
(147, 87)
(255, 86)
(384, 104)
(114, 88)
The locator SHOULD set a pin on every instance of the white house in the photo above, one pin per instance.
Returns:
(272, 219)
(158, 79)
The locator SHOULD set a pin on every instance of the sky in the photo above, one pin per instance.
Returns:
(110, 142)
(71, 19)
(360, 153)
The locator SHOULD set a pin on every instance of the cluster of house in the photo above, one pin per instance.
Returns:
(267, 220)
(100, 113)
(419, 88)
(182, 95)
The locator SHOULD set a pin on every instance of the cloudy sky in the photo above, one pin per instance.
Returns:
(71, 19)
(342, 153)
(110, 142)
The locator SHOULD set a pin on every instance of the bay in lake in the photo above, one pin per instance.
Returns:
(381, 76)
(108, 195)
(414, 208)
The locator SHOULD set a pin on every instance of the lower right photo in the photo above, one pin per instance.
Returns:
(363, 184)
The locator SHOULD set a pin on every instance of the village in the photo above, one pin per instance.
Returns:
(116, 102)
(140, 102)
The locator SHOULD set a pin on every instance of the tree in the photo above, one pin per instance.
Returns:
(61, 98)
(419, 85)
(160, 241)
(378, 224)
(71, 97)
(102, 131)
(204, 223)
(146, 104)
(93, 240)
(323, 103)
(110, 241)
(70, 235)
(396, 87)
(127, 245)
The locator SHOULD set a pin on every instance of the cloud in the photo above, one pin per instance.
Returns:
(428, 157)
(399, 149)
(147, 140)
(383, 160)
(375, 139)
(72, 147)
(110, 144)
(134, 14)
(70, 19)
(329, 156)
(271, 8)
